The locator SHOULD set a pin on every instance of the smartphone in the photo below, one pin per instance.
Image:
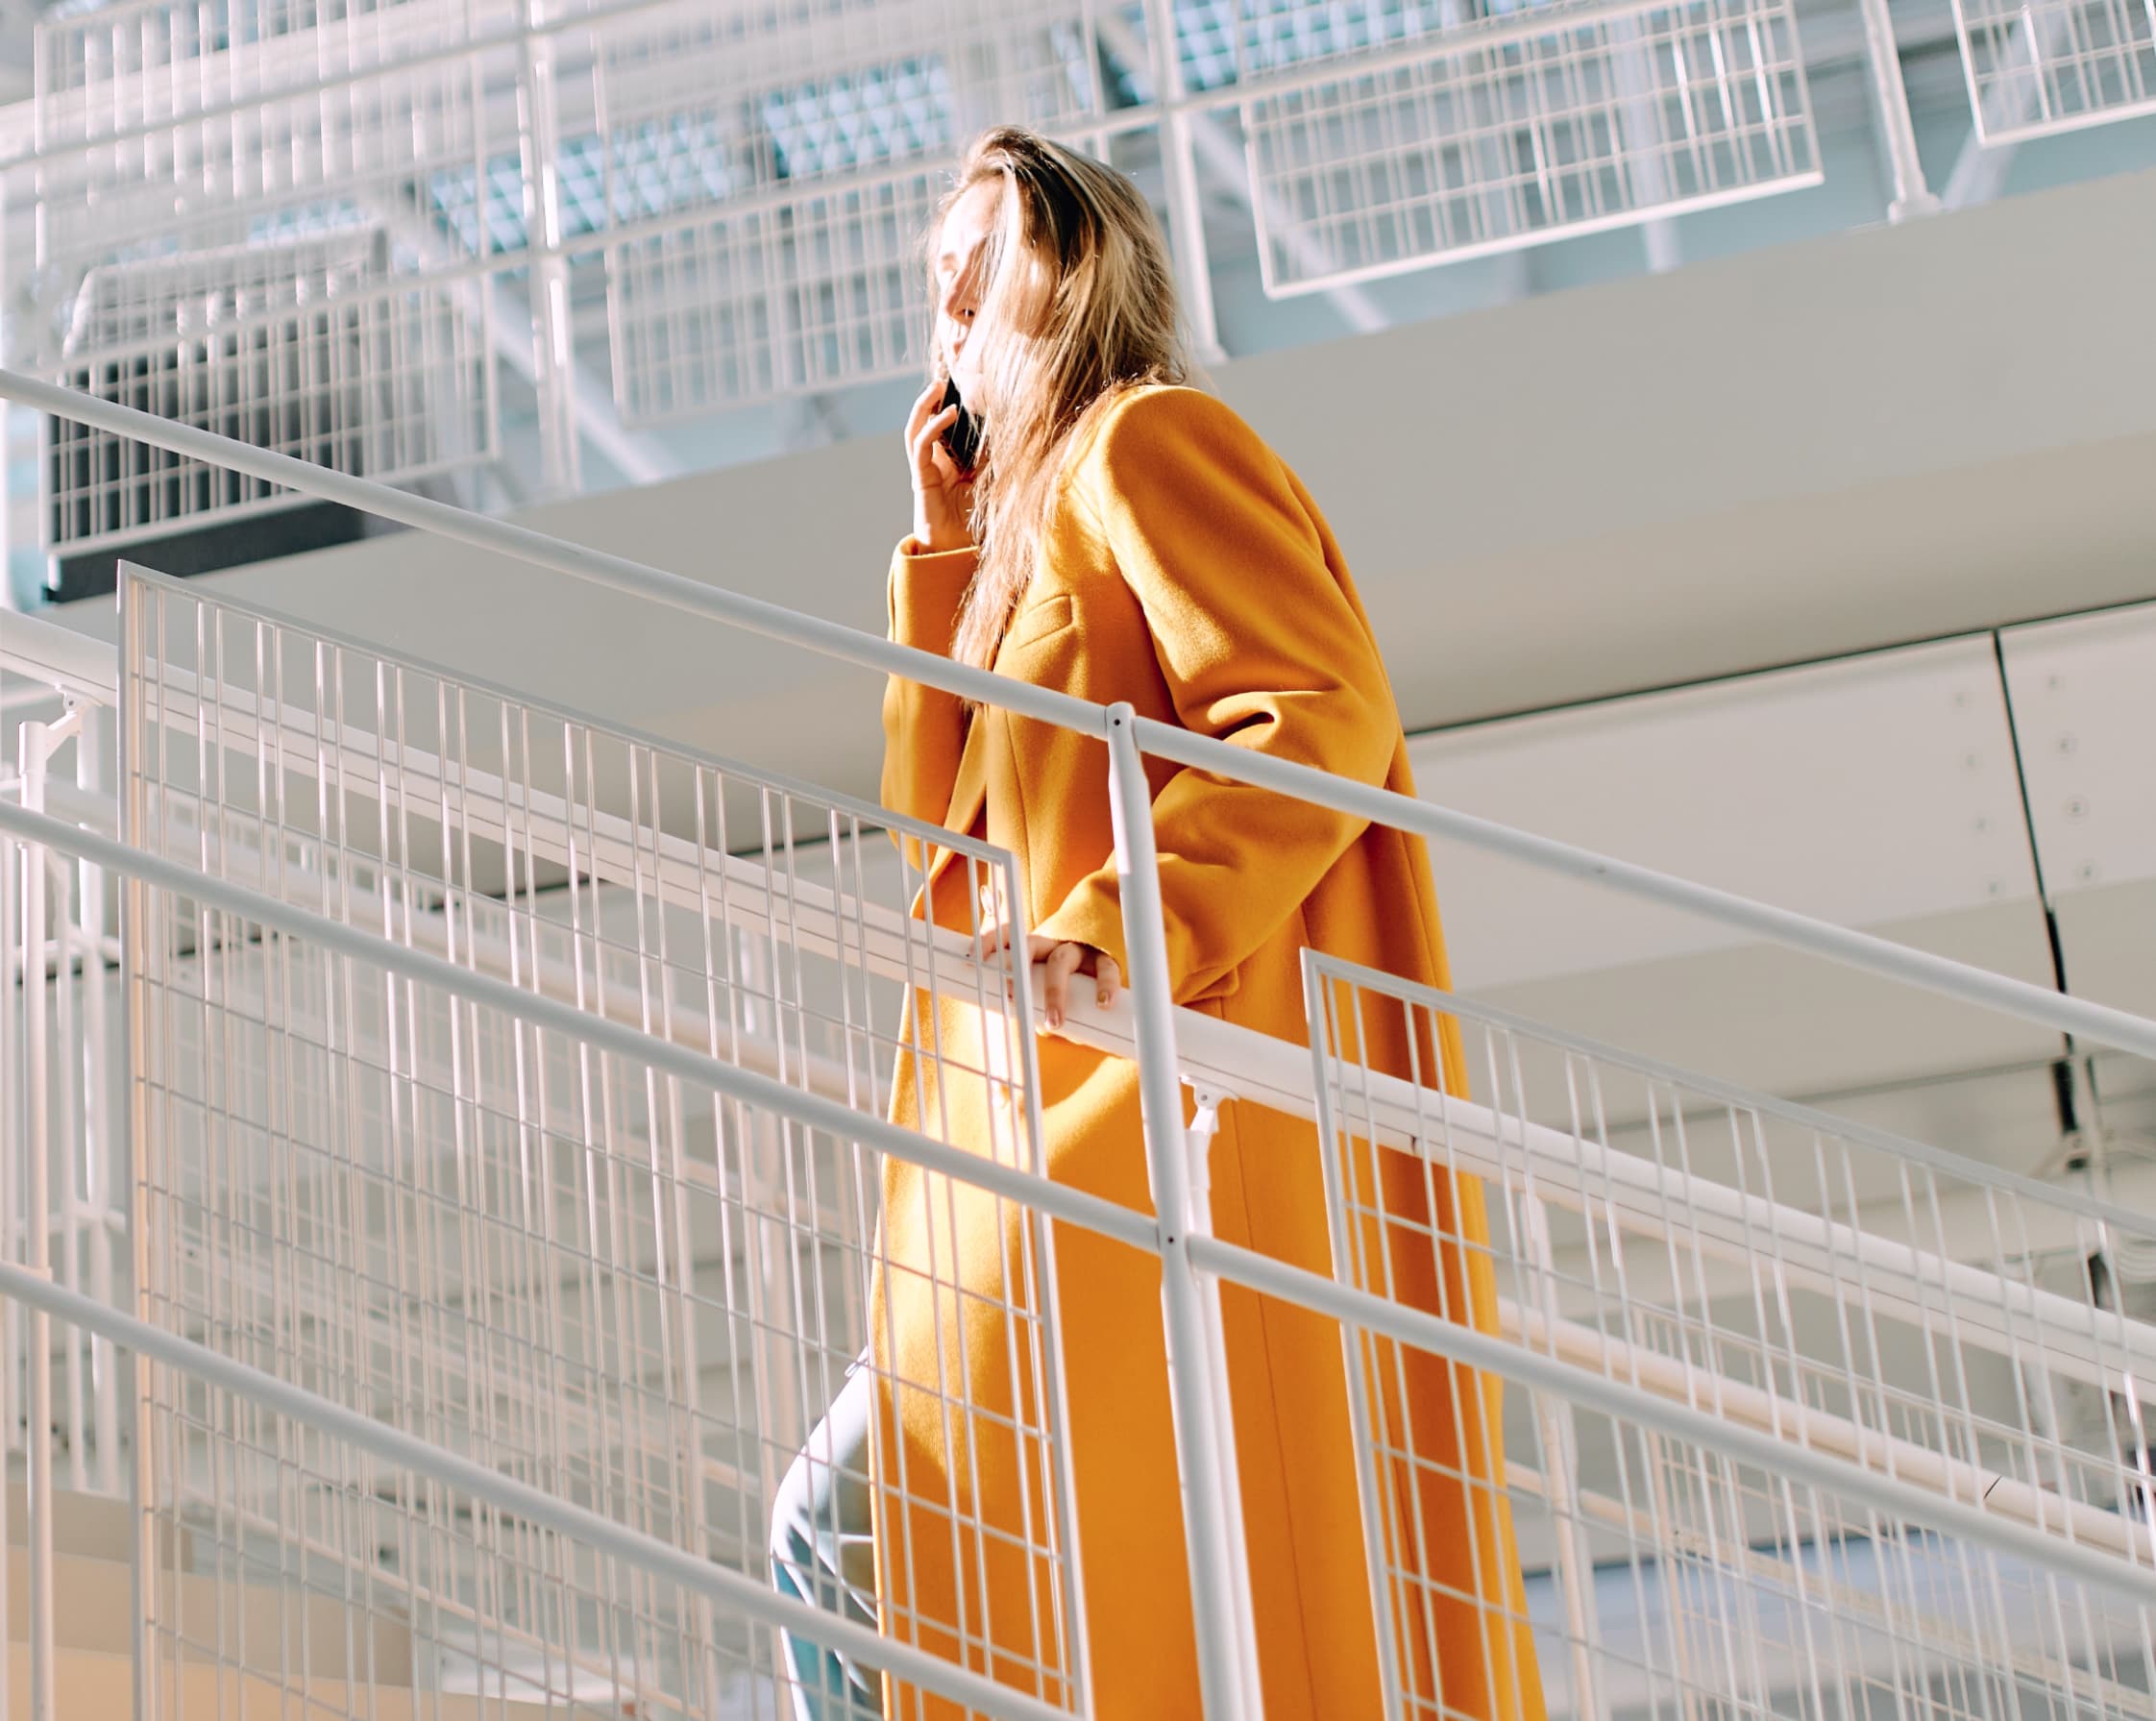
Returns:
(961, 439)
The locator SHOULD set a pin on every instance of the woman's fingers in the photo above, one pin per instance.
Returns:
(923, 407)
(1063, 961)
(1058, 962)
(925, 443)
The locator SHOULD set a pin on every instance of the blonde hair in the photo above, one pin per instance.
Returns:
(1077, 303)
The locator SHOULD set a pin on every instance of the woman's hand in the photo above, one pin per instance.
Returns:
(943, 497)
(1062, 961)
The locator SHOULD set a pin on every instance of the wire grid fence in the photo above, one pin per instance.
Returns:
(2056, 65)
(231, 234)
(736, 196)
(111, 70)
(1925, 1317)
(310, 346)
(798, 150)
(61, 1018)
(1512, 132)
(630, 1293)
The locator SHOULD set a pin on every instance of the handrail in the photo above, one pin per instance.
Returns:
(1672, 1411)
(1214, 1055)
(1233, 1062)
(74, 664)
(1238, 1063)
(2095, 1023)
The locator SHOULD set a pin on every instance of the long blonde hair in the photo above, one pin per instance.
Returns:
(1078, 303)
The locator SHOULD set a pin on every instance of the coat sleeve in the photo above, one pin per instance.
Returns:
(923, 729)
(1259, 646)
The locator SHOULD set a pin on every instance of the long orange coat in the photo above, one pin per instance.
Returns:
(1188, 572)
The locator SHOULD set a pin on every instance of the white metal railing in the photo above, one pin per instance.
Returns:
(328, 231)
(1699, 1408)
(1705, 1409)
(278, 936)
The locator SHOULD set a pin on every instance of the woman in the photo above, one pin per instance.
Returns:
(1128, 538)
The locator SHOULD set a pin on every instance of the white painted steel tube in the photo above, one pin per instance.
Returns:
(1890, 104)
(2099, 1024)
(94, 1233)
(1179, 171)
(1201, 1423)
(732, 1590)
(11, 1151)
(1616, 1398)
(2093, 1024)
(74, 664)
(36, 1227)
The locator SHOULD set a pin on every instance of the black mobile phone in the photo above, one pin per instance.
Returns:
(962, 438)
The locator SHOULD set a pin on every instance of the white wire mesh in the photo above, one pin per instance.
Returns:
(233, 232)
(124, 68)
(634, 1294)
(311, 348)
(1393, 156)
(348, 153)
(2056, 65)
(1929, 1318)
(58, 995)
(801, 149)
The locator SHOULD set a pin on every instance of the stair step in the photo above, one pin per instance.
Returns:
(95, 1526)
(255, 1623)
(91, 1686)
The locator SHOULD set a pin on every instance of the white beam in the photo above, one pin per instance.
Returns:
(1890, 104)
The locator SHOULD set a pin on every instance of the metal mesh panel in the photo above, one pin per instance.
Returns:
(631, 1291)
(1928, 1317)
(252, 261)
(121, 68)
(1502, 134)
(350, 152)
(59, 1037)
(309, 348)
(821, 290)
(2056, 65)
(801, 147)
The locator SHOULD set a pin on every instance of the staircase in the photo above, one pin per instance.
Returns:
(237, 1639)
(502, 1113)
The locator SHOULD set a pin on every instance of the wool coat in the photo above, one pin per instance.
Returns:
(1186, 570)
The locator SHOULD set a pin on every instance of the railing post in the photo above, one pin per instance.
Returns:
(1205, 1125)
(36, 1228)
(93, 1071)
(1201, 1419)
(1889, 99)
(554, 339)
(10, 1158)
(1179, 168)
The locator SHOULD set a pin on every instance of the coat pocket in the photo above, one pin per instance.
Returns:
(1037, 622)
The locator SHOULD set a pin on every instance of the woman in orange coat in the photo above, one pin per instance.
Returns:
(1126, 537)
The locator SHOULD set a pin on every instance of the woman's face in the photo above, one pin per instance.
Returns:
(960, 252)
